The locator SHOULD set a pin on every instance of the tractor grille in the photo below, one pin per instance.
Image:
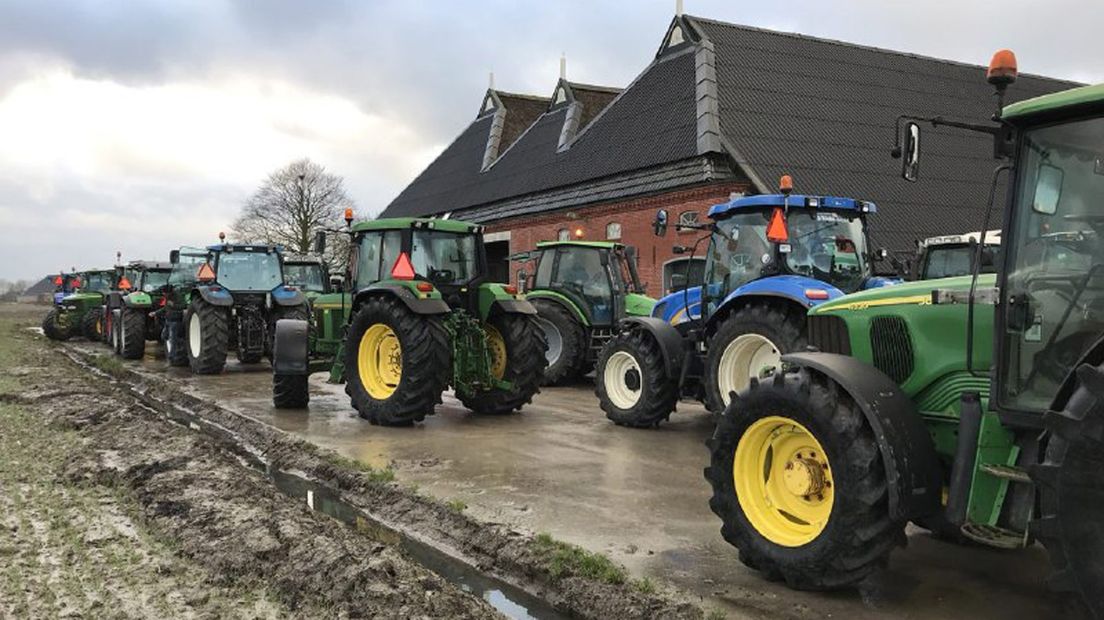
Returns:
(828, 333)
(892, 347)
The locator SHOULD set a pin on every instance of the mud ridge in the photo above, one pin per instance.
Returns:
(509, 555)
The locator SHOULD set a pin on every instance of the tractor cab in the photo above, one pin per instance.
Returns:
(97, 281)
(599, 278)
(947, 256)
(810, 248)
(307, 273)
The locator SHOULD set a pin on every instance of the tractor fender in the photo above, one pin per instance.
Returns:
(137, 300)
(788, 287)
(912, 467)
(1094, 356)
(671, 342)
(513, 306)
(284, 296)
(290, 347)
(565, 301)
(412, 301)
(215, 296)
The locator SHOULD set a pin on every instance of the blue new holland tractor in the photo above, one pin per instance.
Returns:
(769, 259)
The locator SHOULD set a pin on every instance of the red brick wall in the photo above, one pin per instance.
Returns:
(635, 216)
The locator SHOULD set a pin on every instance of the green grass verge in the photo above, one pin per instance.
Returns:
(564, 559)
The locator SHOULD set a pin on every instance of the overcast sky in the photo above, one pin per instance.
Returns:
(142, 126)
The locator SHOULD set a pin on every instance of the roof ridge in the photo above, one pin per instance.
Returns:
(521, 95)
(872, 48)
(585, 86)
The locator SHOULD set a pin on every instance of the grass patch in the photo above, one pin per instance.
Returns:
(564, 559)
(716, 614)
(109, 364)
(645, 585)
(375, 474)
(456, 505)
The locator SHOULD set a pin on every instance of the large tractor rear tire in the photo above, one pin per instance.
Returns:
(53, 329)
(131, 328)
(567, 342)
(799, 483)
(207, 333)
(107, 333)
(746, 344)
(92, 325)
(397, 363)
(1071, 488)
(176, 345)
(517, 348)
(290, 391)
(632, 383)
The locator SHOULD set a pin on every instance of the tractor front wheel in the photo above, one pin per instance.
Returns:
(131, 329)
(397, 363)
(290, 391)
(92, 325)
(747, 344)
(517, 351)
(53, 329)
(1071, 489)
(567, 342)
(207, 333)
(799, 483)
(633, 387)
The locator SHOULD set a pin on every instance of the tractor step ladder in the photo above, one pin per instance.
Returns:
(1006, 472)
(994, 536)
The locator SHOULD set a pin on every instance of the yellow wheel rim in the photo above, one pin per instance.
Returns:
(379, 361)
(783, 481)
(496, 348)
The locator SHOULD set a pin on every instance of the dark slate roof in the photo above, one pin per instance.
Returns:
(594, 100)
(652, 123)
(42, 287)
(824, 111)
(521, 111)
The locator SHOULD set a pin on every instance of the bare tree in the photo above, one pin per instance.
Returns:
(291, 205)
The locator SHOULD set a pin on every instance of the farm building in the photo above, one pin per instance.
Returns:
(721, 109)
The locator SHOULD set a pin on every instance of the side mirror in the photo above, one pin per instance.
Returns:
(174, 256)
(337, 284)
(1048, 189)
(910, 156)
(660, 224)
(320, 242)
(522, 281)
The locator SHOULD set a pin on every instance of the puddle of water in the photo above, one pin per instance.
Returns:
(510, 601)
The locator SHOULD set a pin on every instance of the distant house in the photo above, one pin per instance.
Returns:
(40, 292)
(720, 109)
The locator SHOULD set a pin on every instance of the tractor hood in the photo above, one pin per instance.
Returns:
(908, 293)
(638, 305)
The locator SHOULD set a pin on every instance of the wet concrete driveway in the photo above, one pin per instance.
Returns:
(637, 495)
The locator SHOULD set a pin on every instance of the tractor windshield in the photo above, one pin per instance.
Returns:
(249, 271)
(97, 282)
(444, 258)
(946, 261)
(828, 246)
(154, 280)
(187, 266)
(306, 276)
(1054, 296)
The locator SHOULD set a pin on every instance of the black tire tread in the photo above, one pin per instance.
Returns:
(290, 391)
(215, 334)
(427, 363)
(91, 325)
(572, 362)
(860, 535)
(132, 333)
(52, 329)
(525, 366)
(659, 393)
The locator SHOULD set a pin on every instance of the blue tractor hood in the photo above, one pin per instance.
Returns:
(681, 306)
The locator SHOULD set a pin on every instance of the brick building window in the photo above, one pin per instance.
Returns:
(686, 218)
(563, 234)
(613, 230)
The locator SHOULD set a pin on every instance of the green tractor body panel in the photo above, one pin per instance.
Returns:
(639, 305)
(395, 223)
(568, 303)
(491, 293)
(1054, 102)
(922, 347)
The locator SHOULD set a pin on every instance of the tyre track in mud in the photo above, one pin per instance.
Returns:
(510, 556)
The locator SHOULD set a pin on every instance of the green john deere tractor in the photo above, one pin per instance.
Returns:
(135, 313)
(581, 290)
(307, 273)
(78, 305)
(226, 297)
(973, 406)
(418, 315)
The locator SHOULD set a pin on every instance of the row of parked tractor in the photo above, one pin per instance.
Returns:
(846, 404)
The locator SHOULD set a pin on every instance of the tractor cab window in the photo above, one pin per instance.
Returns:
(444, 258)
(738, 253)
(306, 276)
(186, 270)
(249, 271)
(97, 282)
(580, 272)
(1053, 301)
(153, 280)
(828, 246)
(946, 261)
